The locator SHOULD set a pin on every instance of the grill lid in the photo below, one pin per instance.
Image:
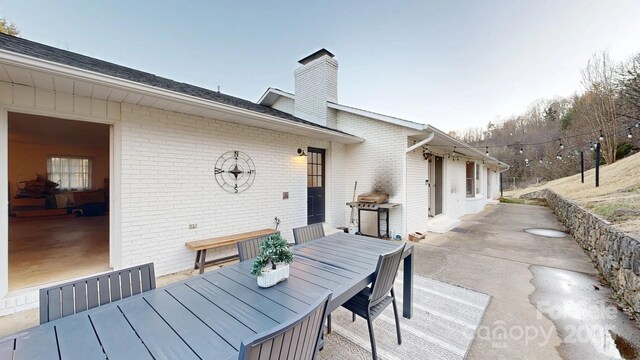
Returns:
(373, 198)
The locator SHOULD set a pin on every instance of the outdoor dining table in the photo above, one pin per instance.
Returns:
(208, 316)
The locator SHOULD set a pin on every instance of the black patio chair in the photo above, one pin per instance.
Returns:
(80, 295)
(307, 233)
(248, 249)
(370, 302)
(297, 339)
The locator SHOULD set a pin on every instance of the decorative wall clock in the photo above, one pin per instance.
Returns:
(235, 171)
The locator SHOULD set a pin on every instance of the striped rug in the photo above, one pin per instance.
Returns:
(445, 318)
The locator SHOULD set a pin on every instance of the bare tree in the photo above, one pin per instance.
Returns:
(9, 28)
(596, 109)
(630, 89)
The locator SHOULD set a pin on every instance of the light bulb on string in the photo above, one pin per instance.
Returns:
(591, 145)
(487, 148)
(561, 145)
(629, 135)
(521, 149)
(601, 138)
(540, 160)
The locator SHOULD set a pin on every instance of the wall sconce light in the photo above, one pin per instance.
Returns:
(427, 156)
(301, 152)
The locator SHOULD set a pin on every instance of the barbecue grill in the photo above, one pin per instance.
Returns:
(377, 202)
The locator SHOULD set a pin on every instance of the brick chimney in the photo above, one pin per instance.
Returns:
(316, 83)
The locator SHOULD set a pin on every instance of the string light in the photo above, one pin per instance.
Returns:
(561, 145)
(487, 148)
(540, 160)
(521, 149)
(629, 135)
(601, 136)
(591, 145)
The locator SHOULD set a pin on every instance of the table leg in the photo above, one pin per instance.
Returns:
(203, 259)
(195, 264)
(407, 286)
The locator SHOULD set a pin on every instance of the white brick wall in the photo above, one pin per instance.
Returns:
(19, 302)
(168, 162)
(315, 84)
(376, 161)
(417, 191)
(340, 190)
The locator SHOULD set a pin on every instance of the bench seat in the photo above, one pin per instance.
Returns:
(201, 246)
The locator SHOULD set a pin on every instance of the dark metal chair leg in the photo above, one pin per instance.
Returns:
(353, 317)
(373, 338)
(329, 324)
(395, 312)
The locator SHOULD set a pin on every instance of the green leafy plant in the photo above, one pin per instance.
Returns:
(273, 250)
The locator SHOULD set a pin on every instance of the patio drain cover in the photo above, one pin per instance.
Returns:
(546, 232)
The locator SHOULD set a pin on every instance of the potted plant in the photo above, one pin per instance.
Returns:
(271, 266)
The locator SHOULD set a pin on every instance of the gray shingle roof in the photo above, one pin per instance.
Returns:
(49, 53)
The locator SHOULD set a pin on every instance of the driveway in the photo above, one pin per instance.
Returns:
(547, 302)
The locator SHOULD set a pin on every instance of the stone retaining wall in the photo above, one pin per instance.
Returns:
(615, 254)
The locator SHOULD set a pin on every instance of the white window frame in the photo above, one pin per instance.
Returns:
(478, 182)
(56, 176)
(473, 180)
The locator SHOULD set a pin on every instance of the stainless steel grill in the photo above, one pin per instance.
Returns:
(378, 203)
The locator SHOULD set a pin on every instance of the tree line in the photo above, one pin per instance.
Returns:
(545, 142)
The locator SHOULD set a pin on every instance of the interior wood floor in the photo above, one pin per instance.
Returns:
(44, 250)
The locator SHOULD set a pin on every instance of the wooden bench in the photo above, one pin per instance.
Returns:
(201, 246)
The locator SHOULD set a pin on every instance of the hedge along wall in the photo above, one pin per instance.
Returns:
(615, 254)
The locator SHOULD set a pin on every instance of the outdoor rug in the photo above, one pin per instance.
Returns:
(445, 318)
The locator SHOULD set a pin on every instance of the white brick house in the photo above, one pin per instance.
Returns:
(166, 137)
(391, 157)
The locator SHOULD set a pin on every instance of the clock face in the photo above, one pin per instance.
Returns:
(235, 171)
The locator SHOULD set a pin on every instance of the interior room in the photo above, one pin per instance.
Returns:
(58, 199)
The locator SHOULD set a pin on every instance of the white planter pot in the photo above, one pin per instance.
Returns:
(270, 277)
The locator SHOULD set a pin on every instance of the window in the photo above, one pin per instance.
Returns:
(478, 179)
(471, 179)
(70, 172)
(314, 169)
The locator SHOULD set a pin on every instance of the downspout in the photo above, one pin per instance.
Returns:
(404, 179)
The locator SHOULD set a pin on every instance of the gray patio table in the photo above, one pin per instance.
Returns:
(208, 316)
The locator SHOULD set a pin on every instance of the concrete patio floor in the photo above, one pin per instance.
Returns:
(489, 252)
(542, 289)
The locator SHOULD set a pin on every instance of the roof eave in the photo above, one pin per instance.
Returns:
(36, 64)
(376, 116)
(271, 95)
(479, 154)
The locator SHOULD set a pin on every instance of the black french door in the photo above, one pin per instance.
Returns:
(315, 185)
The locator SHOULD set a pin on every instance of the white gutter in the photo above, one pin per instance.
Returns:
(36, 64)
(466, 146)
(404, 179)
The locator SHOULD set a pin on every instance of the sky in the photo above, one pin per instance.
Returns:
(452, 64)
